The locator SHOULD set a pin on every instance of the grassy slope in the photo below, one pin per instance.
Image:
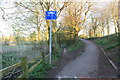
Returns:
(111, 46)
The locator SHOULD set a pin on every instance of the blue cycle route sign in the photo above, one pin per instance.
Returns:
(51, 15)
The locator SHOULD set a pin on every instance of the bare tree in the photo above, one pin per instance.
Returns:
(76, 16)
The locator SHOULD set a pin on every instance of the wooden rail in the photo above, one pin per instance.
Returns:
(32, 68)
(24, 64)
(6, 70)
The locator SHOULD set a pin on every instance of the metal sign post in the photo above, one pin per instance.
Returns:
(50, 46)
(51, 15)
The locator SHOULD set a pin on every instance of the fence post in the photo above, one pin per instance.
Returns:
(24, 64)
(43, 57)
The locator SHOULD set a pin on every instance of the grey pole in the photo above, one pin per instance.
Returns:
(50, 46)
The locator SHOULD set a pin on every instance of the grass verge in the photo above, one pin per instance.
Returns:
(41, 70)
(75, 46)
(111, 45)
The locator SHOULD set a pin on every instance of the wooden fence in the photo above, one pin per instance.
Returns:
(24, 65)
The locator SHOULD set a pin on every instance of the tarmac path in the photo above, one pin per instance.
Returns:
(85, 65)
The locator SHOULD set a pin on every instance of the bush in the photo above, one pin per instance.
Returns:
(40, 71)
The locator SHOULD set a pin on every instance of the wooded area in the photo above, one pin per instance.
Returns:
(28, 19)
(29, 27)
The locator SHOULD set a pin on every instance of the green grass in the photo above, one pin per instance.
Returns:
(40, 71)
(112, 46)
(102, 42)
(76, 46)
(109, 42)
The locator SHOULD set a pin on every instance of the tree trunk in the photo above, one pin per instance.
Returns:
(48, 27)
(39, 34)
(89, 33)
(108, 29)
(76, 37)
(103, 32)
(115, 29)
(118, 25)
(118, 21)
(38, 27)
(94, 33)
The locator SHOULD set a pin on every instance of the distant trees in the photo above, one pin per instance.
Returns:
(76, 16)
(103, 20)
(110, 15)
(33, 36)
(114, 12)
(29, 18)
(95, 24)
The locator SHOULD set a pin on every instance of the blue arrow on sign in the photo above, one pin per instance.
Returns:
(51, 15)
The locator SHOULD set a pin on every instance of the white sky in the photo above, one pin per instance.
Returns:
(5, 26)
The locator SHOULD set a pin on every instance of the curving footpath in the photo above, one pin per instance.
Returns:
(86, 65)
